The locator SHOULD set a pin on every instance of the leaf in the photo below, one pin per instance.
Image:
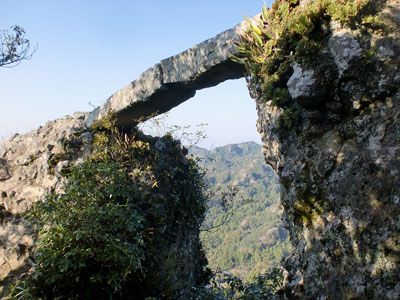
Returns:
(258, 39)
(155, 184)
(265, 13)
(256, 29)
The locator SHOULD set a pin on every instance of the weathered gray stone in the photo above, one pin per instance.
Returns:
(157, 90)
(60, 167)
(27, 156)
(339, 165)
(345, 48)
(174, 80)
(302, 83)
(340, 173)
(4, 170)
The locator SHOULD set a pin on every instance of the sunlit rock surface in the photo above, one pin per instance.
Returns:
(174, 80)
(339, 166)
(27, 172)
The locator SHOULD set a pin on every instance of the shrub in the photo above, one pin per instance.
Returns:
(90, 237)
(225, 286)
(121, 226)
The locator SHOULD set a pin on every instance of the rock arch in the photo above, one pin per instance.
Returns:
(339, 167)
(174, 80)
(337, 158)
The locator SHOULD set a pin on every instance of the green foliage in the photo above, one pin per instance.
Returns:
(121, 224)
(291, 32)
(345, 11)
(225, 286)
(242, 231)
(14, 47)
(90, 237)
(308, 211)
(373, 22)
(22, 290)
(288, 118)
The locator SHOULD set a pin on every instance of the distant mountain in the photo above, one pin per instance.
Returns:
(242, 232)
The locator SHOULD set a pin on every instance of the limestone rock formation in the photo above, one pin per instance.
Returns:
(27, 164)
(174, 80)
(32, 164)
(302, 83)
(36, 163)
(338, 158)
(340, 172)
(344, 48)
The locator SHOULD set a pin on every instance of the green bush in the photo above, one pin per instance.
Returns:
(125, 225)
(90, 237)
(225, 286)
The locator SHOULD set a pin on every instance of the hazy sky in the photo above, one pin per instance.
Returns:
(89, 49)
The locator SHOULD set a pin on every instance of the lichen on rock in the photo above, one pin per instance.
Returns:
(344, 48)
(302, 83)
(338, 162)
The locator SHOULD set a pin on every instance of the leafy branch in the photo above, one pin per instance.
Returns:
(14, 47)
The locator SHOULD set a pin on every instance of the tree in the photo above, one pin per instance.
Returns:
(14, 47)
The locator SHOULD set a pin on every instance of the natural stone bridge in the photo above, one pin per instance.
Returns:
(334, 145)
(27, 173)
(174, 80)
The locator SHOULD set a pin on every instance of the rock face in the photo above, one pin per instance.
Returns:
(32, 164)
(302, 83)
(339, 163)
(27, 172)
(345, 49)
(174, 80)
(340, 171)
(35, 163)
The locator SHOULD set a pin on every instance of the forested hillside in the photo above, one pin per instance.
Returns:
(242, 232)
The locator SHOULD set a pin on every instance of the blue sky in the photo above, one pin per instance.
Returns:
(89, 49)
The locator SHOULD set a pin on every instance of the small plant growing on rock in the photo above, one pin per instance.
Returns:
(292, 32)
